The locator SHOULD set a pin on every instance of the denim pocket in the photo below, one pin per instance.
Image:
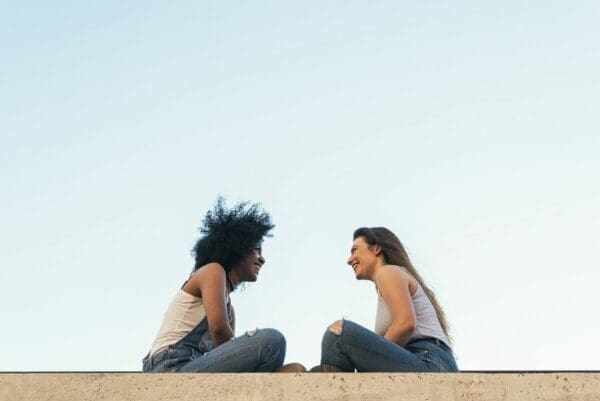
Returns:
(423, 355)
(447, 362)
(438, 359)
(169, 360)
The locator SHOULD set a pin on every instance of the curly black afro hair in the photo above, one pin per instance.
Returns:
(229, 235)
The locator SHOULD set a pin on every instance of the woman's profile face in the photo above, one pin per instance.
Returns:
(362, 259)
(249, 267)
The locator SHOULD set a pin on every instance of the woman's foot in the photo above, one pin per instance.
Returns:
(325, 368)
(293, 367)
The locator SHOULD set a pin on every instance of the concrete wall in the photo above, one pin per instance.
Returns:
(294, 386)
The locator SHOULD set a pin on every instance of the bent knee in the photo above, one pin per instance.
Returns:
(271, 336)
(337, 327)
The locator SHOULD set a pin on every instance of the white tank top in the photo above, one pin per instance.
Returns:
(428, 324)
(182, 316)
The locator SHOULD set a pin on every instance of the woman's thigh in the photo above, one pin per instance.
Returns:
(262, 350)
(370, 352)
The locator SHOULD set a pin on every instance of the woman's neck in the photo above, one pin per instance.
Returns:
(376, 269)
(232, 280)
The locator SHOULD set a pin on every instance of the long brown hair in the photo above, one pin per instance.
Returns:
(395, 254)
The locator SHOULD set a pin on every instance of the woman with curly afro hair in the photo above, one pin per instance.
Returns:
(197, 332)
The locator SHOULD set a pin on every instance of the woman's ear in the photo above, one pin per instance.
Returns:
(377, 249)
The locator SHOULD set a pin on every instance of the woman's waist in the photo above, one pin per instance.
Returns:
(428, 343)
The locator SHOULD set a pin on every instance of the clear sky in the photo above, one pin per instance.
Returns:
(470, 129)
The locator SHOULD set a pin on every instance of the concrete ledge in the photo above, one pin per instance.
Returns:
(305, 386)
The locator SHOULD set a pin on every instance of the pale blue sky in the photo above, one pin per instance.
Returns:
(469, 129)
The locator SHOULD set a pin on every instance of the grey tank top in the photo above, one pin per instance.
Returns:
(428, 324)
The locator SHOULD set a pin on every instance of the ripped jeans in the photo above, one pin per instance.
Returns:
(358, 348)
(262, 350)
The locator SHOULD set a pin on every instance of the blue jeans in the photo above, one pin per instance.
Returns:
(259, 351)
(361, 349)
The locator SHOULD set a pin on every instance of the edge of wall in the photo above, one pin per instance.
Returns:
(71, 386)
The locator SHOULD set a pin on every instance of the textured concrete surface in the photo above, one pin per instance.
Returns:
(305, 386)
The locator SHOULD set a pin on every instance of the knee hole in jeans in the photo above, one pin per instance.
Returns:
(337, 327)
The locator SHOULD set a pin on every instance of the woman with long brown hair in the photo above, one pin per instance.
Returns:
(411, 332)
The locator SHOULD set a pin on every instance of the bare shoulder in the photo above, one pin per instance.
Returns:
(396, 275)
(209, 274)
(211, 270)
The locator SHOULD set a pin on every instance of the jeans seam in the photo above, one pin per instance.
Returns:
(368, 350)
(237, 354)
(371, 351)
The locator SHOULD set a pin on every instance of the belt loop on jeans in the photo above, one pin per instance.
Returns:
(442, 345)
(437, 342)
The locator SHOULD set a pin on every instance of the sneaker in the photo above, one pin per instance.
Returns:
(325, 368)
(293, 367)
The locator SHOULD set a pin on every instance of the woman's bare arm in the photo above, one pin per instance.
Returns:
(210, 281)
(394, 288)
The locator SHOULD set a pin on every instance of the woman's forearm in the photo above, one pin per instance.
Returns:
(221, 335)
(399, 333)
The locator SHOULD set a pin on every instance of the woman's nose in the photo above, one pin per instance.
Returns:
(261, 260)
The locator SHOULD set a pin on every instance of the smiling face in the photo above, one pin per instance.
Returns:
(248, 268)
(364, 258)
